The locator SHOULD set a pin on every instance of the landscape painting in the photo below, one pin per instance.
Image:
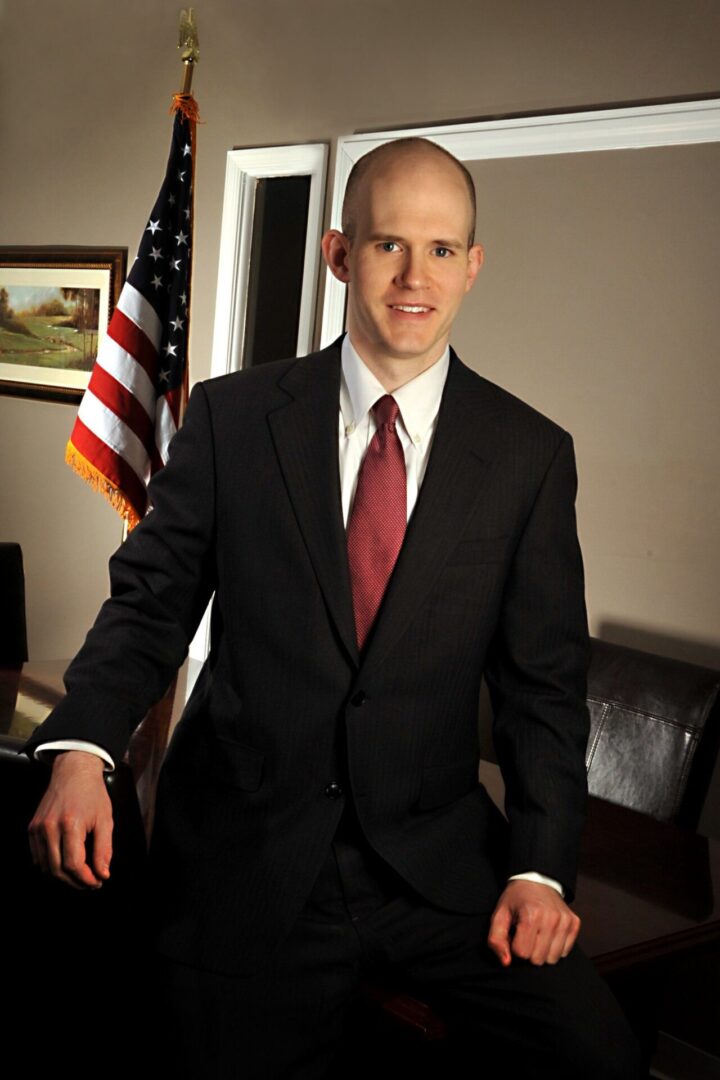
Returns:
(54, 310)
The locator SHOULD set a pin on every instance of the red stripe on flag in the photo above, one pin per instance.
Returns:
(133, 340)
(114, 468)
(121, 402)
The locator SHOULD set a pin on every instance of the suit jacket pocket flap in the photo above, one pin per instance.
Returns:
(445, 784)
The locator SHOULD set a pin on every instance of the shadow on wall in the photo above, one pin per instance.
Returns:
(690, 650)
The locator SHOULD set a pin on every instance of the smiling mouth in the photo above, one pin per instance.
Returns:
(412, 309)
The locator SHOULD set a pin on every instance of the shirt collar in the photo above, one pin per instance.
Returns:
(418, 400)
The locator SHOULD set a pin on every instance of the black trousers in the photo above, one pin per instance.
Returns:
(289, 1020)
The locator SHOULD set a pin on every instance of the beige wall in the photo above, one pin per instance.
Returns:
(84, 134)
(598, 304)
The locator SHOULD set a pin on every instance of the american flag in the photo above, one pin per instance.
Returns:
(138, 386)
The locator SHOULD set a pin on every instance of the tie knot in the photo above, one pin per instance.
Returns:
(386, 412)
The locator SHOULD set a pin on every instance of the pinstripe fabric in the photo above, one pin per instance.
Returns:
(489, 580)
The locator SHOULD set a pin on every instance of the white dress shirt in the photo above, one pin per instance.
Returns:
(419, 402)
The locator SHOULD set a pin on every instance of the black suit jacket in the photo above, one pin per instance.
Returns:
(489, 580)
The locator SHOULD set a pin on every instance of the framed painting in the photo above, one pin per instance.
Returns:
(55, 305)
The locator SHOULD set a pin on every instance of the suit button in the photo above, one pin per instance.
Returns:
(359, 699)
(333, 790)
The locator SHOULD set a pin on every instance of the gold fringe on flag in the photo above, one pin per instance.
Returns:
(100, 483)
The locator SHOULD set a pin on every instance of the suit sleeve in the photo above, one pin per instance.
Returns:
(537, 677)
(161, 580)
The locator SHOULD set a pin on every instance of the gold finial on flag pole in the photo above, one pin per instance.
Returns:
(188, 42)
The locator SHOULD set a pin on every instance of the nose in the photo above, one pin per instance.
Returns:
(412, 274)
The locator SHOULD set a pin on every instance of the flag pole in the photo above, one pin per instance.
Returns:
(137, 389)
(183, 102)
(189, 44)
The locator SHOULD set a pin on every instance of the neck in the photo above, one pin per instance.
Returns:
(393, 372)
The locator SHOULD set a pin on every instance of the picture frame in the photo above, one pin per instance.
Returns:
(55, 305)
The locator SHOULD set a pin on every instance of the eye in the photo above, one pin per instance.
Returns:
(443, 252)
(389, 245)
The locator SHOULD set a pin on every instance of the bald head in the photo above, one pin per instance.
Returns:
(384, 159)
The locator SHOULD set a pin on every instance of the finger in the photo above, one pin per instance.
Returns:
(499, 935)
(558, 939)
(37, 852)
(526, 932)
(102, 847)
(74, 863)
(54, 855)
(46, 846)
(550, 938)
(571, 935)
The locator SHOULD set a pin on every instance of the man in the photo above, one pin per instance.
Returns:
(319, 810)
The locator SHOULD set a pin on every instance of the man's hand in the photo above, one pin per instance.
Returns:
(75, 806)
(544, 927)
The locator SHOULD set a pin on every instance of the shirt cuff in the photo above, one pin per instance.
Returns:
(530, 875)
(46, 751)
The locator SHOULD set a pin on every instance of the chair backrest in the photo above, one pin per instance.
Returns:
(655, 726)
(13, 635)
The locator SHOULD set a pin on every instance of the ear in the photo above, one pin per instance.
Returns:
(476, 256)
(336, 248)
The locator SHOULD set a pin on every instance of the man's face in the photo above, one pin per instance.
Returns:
(407, 265)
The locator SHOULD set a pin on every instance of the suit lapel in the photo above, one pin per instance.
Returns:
(305, 434)
(451, 489)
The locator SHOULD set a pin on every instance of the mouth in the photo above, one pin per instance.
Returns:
(411, 309)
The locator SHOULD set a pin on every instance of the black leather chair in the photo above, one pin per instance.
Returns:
(71, 960)
(13, 632)
(655, 730)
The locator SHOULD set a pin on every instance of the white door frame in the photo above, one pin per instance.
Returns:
(633, 128)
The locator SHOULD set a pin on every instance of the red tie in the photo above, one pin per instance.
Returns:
(378, 519)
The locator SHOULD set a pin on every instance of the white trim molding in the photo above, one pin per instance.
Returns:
(244, 169)
(633, 128)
